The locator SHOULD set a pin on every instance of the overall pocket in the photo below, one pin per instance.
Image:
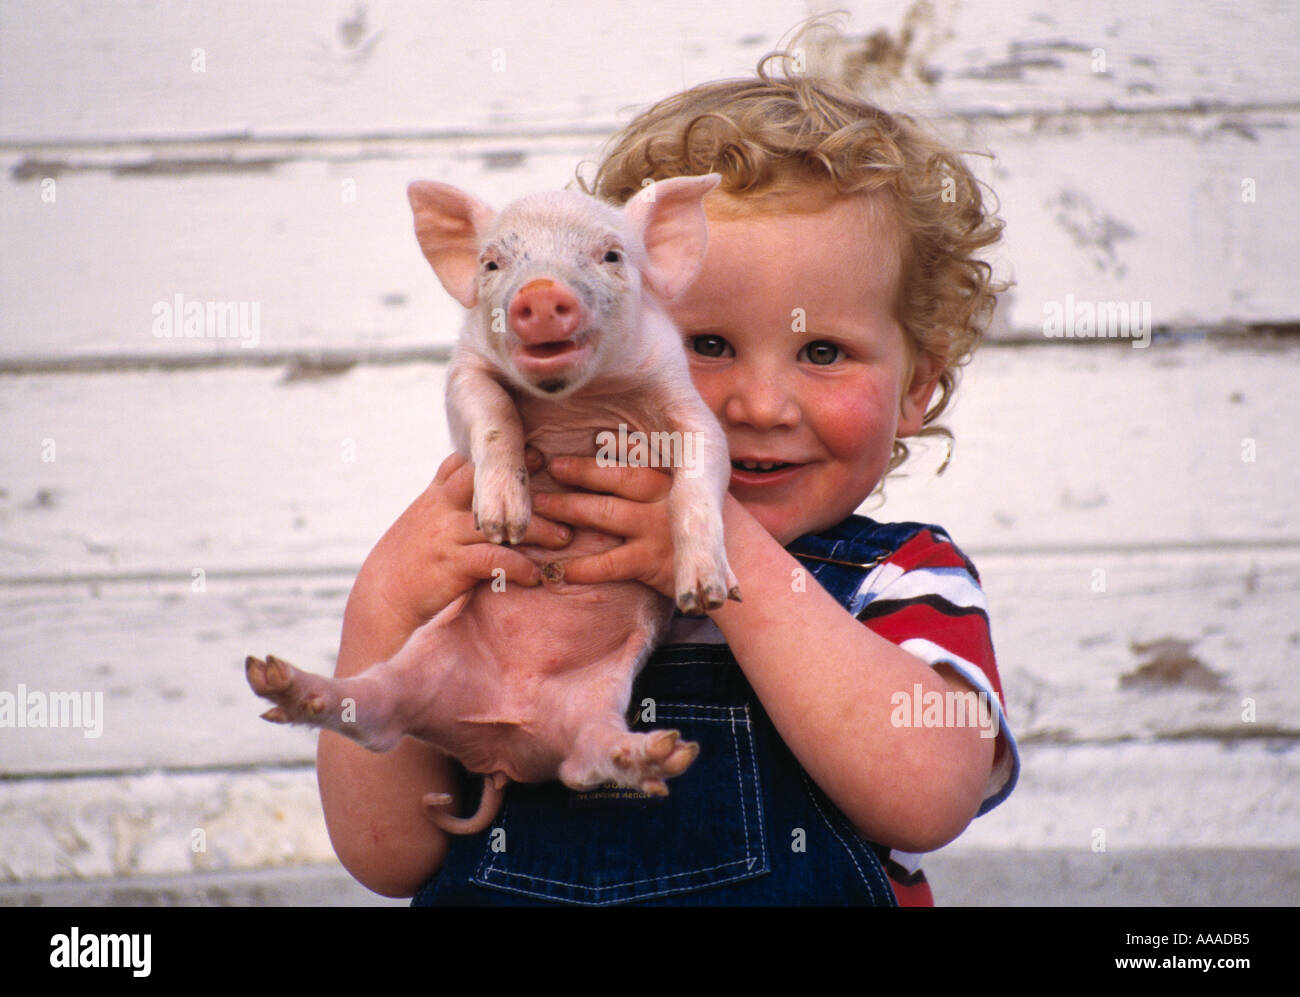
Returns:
(610, 846)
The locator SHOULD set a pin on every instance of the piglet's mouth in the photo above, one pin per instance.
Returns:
(551, 358)
(544, 351)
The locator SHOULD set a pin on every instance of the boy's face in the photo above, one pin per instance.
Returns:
(793, 345)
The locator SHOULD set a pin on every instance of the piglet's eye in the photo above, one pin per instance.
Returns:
(491, 265)
(613, 256)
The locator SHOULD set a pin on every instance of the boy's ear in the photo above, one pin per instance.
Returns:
(669, 217)
(926, 369)
(448, 223)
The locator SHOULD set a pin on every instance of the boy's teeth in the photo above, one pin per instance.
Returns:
(764, 465)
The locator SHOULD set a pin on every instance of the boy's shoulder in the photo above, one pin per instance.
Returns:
(865, 543)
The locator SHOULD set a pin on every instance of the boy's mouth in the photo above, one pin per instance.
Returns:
(756, 473)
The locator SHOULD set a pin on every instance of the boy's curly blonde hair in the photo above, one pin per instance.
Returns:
(794, 141)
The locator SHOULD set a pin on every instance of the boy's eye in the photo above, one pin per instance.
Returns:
(709, 346)
(822, 353)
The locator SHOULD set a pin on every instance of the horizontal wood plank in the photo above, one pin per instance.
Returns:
(1171, 647)
(1105, 804)
(1106, 800)
(1088, 447)
(324, 251)
(81, 70)
(1015, 57)
(319, 239)
(1103, 446)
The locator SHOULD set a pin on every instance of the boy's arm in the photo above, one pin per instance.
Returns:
(372, 801)
(828, 683)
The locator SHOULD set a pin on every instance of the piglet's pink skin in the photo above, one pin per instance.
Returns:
(565, 338)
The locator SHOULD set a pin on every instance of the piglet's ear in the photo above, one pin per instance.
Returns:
(448, 223)
(669, 216)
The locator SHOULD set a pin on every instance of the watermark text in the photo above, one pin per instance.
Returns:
(950, 708)
(181, 319)
(1072, 319)
(35, 708)
(638, 449)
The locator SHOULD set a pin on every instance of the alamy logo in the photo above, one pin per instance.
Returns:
(34, 708)
(945, 709)
(637, 449)
(181, 319)
(102, 951)
(1098, 320)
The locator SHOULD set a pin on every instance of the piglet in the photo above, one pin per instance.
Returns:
(567, 348)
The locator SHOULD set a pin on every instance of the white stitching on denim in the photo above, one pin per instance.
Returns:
(735, 743)
(740, 783)
(619, 900)
(678, 715)
(615, 886)
(866, 882)
(758, 790)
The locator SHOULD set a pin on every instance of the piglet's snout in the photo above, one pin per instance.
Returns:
(544, 313)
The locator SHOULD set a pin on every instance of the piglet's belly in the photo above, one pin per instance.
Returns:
(515, 675)
(555, 628)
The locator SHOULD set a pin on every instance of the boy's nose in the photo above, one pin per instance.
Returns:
(763, 402)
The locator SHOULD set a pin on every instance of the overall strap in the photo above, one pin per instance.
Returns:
(841, 557)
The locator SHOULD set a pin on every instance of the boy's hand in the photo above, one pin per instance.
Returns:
(632, 502)
(433, 553)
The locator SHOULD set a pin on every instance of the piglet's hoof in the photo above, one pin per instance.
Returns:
(701, 591)
(274, 679)
(299, 697)
(649, 759)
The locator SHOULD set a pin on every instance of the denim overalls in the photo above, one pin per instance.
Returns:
(744, 825)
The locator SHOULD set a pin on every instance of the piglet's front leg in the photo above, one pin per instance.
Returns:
(702, 577)
(485, 422)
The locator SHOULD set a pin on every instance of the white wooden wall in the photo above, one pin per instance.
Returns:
(170, 505)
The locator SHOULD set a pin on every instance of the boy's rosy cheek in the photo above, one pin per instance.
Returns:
(851, 425)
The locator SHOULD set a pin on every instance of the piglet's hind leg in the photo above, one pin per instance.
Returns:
(353, 707)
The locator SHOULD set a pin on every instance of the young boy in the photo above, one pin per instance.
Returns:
(838, 292)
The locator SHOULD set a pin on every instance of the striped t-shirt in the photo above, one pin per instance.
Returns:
(926, 598)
